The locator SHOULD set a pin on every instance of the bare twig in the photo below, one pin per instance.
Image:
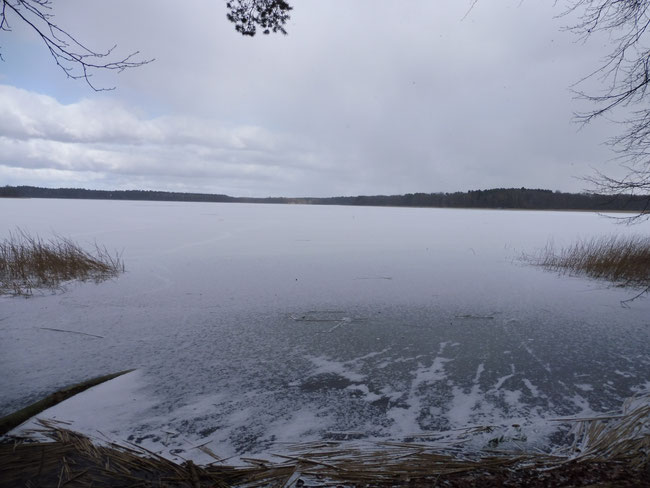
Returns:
(72, 56)
(72, 332)
(625, 73)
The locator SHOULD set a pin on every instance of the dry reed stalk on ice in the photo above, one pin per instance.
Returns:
(28, 263)
(612, 450)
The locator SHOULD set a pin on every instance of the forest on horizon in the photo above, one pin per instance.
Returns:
(507, 198)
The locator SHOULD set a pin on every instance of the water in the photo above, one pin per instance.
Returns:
(252, 325)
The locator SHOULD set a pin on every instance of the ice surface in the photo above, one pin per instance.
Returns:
(251, 326)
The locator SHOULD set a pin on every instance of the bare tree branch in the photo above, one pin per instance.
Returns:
(74, 57)
(625, 73)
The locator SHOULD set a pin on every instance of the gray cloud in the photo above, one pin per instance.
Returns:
(361, 97)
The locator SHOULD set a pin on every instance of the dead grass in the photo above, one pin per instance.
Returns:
(623, 260)
(28, 263)
(611, 450)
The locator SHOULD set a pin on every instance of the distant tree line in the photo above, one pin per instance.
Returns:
(80, 193)
(510, 198)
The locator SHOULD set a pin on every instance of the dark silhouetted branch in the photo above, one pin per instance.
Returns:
(626, 75)
(248, 15)
(74, 57)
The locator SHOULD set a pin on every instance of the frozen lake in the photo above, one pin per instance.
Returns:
(253, 325)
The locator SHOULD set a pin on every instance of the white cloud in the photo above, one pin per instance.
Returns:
(101, 137)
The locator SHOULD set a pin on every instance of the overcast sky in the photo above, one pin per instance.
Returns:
(361, 97)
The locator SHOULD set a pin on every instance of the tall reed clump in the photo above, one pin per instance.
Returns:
(28, 263)
(623, 260)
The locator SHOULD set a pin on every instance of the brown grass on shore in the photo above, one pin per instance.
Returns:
(611, 450)
(623, 260)
(28, 263)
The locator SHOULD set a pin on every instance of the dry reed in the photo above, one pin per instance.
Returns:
(28, 263)
(613, 448)
(623, 260)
